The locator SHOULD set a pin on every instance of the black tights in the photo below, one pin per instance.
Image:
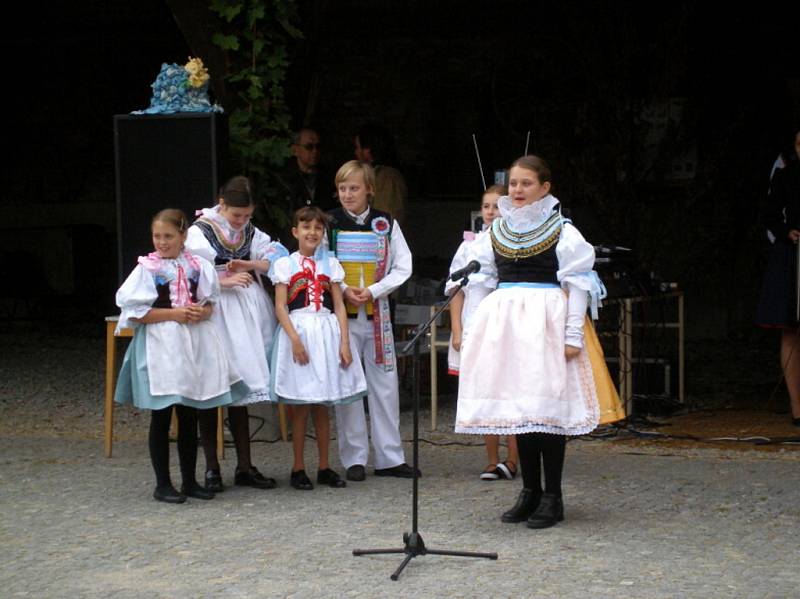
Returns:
(239, 425)
(536, 449)
(187, 444)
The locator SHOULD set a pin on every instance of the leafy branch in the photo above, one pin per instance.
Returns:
(255, 36)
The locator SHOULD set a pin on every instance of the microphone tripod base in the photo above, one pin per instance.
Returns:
(414, 546)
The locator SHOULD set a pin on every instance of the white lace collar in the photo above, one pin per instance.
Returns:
(527, 217)
(213, 214)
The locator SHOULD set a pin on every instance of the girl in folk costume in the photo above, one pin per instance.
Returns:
(245, 317)
(312, 357)
(176, 357)
(376, 260)
(462, 308)
(525, 371)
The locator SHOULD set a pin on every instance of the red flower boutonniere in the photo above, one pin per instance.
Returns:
(381, 226)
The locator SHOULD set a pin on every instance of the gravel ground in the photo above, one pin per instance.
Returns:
(643, 519)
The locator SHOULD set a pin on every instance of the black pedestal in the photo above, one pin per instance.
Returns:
(164, 161)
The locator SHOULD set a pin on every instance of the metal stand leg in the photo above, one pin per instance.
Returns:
(413, 543)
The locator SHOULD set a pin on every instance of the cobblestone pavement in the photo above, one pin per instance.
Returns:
(644, 519)
(700, 523)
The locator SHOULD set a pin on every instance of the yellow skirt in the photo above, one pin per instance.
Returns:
(611, 408)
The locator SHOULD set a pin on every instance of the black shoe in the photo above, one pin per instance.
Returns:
(253, 478)
(168, 494)
(527, 502)
(194, 489)
(214, 481)
(549, 512)
(356, 472)
(400, 471)
(331, 478)
(300, 481)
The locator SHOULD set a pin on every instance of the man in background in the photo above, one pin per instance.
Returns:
(375, 146)
(304, 182)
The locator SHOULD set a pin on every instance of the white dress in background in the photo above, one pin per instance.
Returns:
(474, 292)
(244, 316)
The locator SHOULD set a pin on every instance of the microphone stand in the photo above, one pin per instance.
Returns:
(413, 545)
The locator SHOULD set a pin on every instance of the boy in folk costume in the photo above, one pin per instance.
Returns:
(373, 252)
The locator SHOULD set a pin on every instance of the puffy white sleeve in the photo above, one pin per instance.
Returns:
(281, 271)
(208, 283)
(263, 248)
(576, 275)
(482, 251)
(400, 265)
(136, 296)
(336, 270)
(575, 257)
(198, 245)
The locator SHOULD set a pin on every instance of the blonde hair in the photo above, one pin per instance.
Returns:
(172, 216)
(352, 167)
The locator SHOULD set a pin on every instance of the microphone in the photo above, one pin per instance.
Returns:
(473, 266)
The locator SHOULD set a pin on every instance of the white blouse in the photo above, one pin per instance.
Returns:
(136, 295)
(322, 264)
(284, 269)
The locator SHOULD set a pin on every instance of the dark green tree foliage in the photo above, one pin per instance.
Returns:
(255, 37)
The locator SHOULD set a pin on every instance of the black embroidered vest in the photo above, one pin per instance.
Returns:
(530, 256)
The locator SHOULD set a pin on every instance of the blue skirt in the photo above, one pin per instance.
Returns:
(133, 384)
